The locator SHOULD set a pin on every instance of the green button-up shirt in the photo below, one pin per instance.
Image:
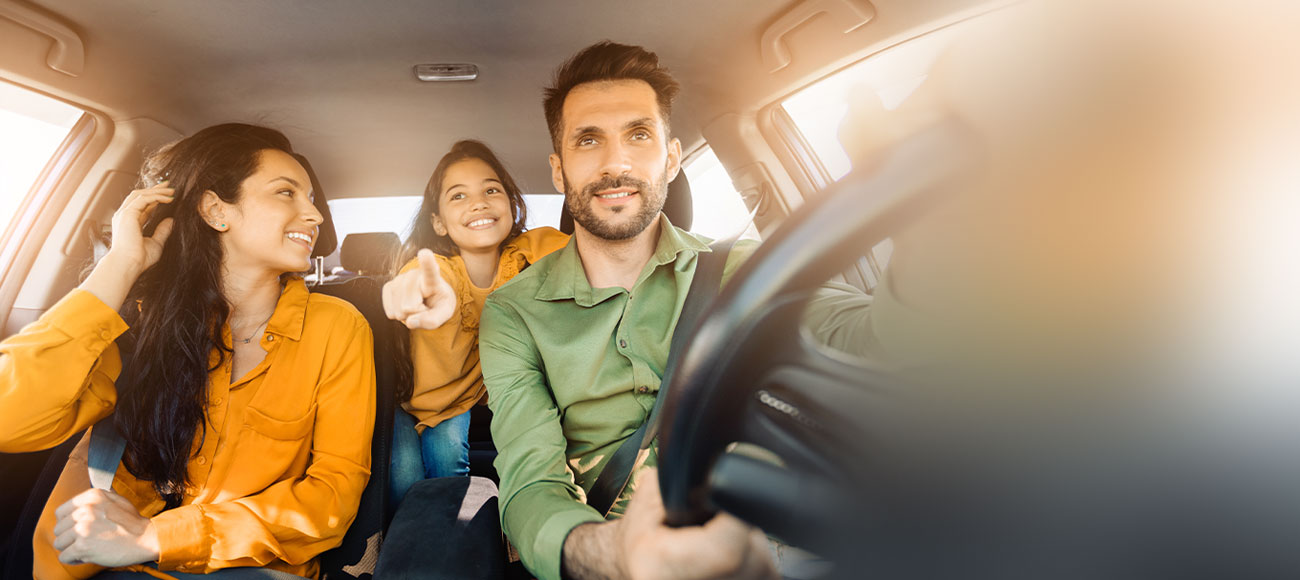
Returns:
(571, 371)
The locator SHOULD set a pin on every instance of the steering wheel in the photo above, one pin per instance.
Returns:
(750, 373)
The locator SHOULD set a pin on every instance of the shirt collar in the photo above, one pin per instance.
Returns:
(567, 280)
(290, 310)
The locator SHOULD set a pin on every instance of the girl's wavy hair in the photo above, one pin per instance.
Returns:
(176, 310)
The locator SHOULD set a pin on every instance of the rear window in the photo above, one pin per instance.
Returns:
(32, 126)
(354, 215)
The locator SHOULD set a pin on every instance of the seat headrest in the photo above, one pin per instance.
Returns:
(678, 207)
(369, 253)
(327, 240)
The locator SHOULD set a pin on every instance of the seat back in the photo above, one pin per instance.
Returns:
(370, 253)
(678, 207)
(359, 553)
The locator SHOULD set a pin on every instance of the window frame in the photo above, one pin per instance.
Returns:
(41, 193)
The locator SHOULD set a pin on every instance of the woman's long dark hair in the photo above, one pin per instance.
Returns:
(176, 309)
(424, 236)
(422, 232)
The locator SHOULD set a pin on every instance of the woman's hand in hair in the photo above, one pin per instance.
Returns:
(420, 298)
(100, 527)
(132, 252)
(130, 245)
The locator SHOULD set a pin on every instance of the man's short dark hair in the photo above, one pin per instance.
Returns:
(607, 61)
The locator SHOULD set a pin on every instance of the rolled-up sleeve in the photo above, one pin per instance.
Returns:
(57, 374)
(540, 502)
(296, 519)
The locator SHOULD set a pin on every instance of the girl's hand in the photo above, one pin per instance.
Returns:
(420, 298)
(103, 528)
(131, 249)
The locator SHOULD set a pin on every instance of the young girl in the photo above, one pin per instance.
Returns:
(246, 404)
(472, 219)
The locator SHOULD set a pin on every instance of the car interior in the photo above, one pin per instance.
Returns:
(341, 80)
(371, 95)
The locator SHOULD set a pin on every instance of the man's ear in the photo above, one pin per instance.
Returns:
(438, 227)
(557, 172)
(674, 159)
(213, 210)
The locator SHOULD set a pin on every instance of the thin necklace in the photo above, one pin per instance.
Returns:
(255, 330)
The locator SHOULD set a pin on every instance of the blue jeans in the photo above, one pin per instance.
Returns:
(440, 451)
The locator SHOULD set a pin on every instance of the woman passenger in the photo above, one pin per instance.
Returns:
(246, 403)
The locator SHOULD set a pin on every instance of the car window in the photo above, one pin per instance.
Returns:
(858, 112)
(719, 211)
(32, 126)
(855, 102)
(354, 215)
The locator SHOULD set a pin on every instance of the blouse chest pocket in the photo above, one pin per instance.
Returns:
(279, 429)
(269, 450)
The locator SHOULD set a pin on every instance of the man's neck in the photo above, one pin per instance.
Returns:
(616, 263)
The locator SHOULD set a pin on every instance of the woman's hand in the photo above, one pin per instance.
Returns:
(420, 298)
(131, 249)
(101, 527)
(131, 252)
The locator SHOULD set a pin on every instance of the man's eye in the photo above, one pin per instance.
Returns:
(584, 141)
(641, 135)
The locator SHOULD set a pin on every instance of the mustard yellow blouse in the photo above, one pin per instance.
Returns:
(448, 377)
(285, 452)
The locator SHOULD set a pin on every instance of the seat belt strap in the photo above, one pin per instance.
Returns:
(106, 443)
(613, 479)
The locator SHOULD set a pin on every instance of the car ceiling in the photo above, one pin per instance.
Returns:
(336, 75)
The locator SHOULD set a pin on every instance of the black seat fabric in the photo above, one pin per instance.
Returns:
(327, 240)
(447, 527)
(678, 207)
(17, 554)
(358, 554)
(369, 253)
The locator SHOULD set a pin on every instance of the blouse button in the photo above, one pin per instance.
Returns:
(106, 335)
(270, 337)
(622, 343)
(643, 389)
(202, 460)
(216, 401)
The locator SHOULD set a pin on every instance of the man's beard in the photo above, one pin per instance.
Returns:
(653, 195)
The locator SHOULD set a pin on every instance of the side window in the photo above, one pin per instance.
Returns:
(719, 211)
(856, 114)
(32, 127)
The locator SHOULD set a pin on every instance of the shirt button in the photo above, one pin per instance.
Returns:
(202, 460)
(622, 343)
(643, 389)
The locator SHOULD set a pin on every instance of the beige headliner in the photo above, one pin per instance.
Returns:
(336, 75)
